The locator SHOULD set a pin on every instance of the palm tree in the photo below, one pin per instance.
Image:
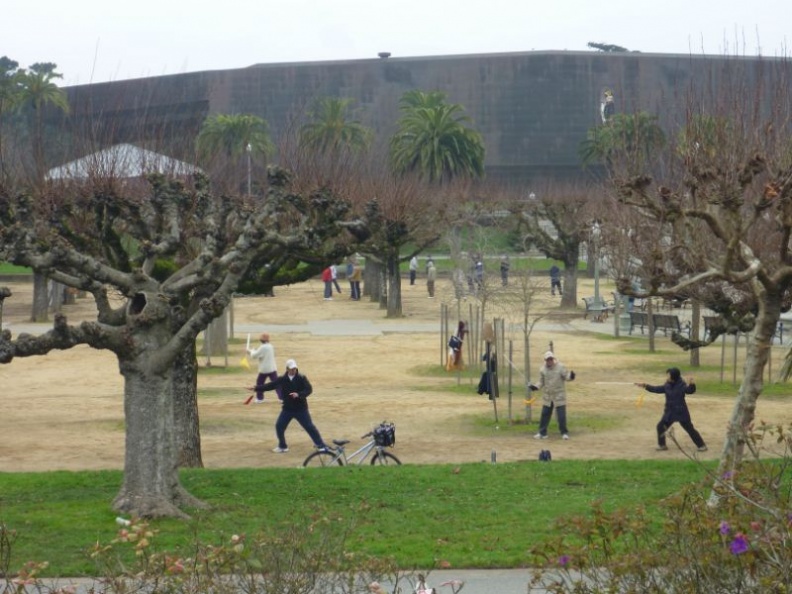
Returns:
(37, 90)
(9, 96)
(224, 138)
(231, 134)
(634, 137)
(435, 140)
(331, 130)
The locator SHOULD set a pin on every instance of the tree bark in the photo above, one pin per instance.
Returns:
(40, 311)
(394, 303)
(187, 433)
(744, 410)
(151, 486)
(569, 298)
(216, 344)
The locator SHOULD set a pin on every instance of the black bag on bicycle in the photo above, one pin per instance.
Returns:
(385, 434)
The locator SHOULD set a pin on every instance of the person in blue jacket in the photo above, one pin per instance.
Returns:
(676, 410)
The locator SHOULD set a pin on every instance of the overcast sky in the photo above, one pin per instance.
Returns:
(93, 41)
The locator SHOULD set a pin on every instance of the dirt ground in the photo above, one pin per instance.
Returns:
(64, 411)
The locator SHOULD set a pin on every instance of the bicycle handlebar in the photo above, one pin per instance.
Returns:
(369, 434)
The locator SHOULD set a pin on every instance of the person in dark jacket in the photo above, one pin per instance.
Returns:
(295, 389)
(676, 410)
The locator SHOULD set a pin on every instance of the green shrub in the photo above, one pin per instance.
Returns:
(733, 538)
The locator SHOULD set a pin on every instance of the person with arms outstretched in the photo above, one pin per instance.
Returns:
(676, 410)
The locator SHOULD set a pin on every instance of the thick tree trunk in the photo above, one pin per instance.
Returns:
(569, 299)
(372, 276)
(695, 329)
(40, 311)
(394, 288)
(151, 485)
(187, 431)
(744, 410)
(216, 343)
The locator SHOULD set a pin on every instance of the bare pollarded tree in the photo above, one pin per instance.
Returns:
(717, 221)
(556, 220)
(155, 248)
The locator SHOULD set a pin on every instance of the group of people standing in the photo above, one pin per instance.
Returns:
(431, 274)
(354, 275)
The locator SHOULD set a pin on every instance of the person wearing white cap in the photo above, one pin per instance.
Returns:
(552, 381)
(295, 388)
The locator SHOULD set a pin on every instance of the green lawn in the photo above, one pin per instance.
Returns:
(470, 515)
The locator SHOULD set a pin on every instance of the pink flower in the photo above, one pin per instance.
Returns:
(563, 560)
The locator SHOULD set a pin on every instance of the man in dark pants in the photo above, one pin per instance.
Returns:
(676, 409)
(295, 388)
(553, 377)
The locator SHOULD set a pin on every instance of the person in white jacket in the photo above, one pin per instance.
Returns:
(267, 367)
(553, 377)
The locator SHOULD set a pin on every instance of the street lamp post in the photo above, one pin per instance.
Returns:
(595, 236)
(248, 150)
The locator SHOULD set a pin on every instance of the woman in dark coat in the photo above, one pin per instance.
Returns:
(676, 410)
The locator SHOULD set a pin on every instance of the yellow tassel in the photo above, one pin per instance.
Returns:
(244, 363)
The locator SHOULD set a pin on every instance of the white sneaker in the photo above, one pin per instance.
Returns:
(280, 450)
(540, 436)
(257, 401)
(565, 436)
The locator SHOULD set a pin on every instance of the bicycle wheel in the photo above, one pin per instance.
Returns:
(383, 458)
(323, 458)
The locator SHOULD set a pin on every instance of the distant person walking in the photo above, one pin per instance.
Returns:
(676, 410)
(295, 388)
(504, 270)
(431, 277)
(413, 269)
(553, 377)
(555, 280)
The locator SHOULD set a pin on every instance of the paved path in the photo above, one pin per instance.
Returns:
(477, 581)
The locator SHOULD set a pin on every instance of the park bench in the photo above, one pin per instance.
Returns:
(666, 322)
(598, 311)
(639, 319)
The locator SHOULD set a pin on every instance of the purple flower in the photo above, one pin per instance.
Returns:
(563, 560)
(724, 527)
(728, 475)
(739, 545)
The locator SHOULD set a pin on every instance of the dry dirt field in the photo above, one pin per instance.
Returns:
(65, 411)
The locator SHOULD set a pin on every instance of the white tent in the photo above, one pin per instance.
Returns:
(121, 161)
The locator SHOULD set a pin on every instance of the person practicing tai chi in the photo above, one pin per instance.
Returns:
(295, 388)
(676, 410)
(267, 368)
(553, 377)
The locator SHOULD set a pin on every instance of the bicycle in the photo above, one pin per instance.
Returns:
(382, 436)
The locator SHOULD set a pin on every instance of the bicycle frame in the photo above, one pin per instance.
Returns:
(362, 452)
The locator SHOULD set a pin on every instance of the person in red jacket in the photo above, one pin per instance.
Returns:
(327, 279)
